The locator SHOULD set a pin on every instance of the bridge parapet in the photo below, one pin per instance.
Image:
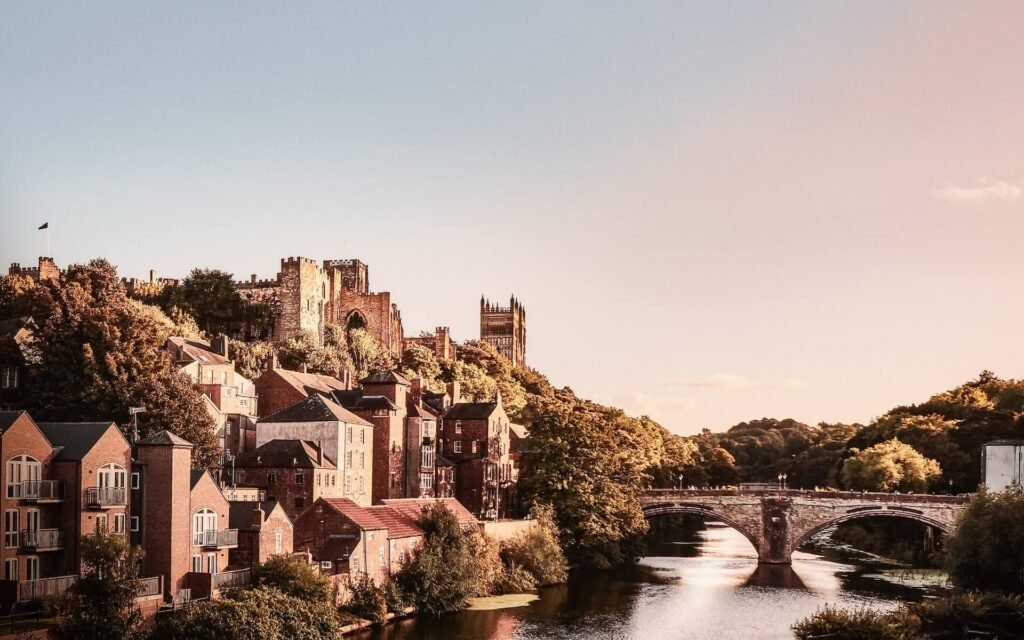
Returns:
(777, 522)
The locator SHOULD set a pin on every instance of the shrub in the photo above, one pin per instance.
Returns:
(397, 599)
(986, 548)
(515, 579)
(995, 614)
(858, 624)
(294, 577)
(368, 600)
(538, 551)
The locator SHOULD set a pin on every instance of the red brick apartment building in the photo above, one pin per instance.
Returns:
(291, 473)
(264, 530)
(278, 388)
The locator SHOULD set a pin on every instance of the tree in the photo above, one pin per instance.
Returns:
(101, 352)
(323, 358)
(294, 577)
(209, 295)
(250, 358)
(419, 361)
(986, 548)
(103, 599)
(930, 434)
(367, 353)
(889, 466)
(538, 552)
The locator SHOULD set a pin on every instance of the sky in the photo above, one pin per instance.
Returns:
(712, 211)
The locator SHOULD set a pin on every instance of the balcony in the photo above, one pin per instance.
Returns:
(106, 497)
(42, 539)
(44, 588)
(42, 490)
(150, 586)
(232, 579)
(215, 539)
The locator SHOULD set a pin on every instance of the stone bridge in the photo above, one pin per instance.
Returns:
(777, 522)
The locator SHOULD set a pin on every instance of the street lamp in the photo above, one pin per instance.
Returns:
(134, 413)
(680, 482)
(782, 481)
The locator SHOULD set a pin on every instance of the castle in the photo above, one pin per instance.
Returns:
(505, 328)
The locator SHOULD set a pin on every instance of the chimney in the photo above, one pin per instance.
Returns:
(303, 368)
(320, 453)
(152, 276)
(271, 362)
(455, 391)
(219, 344)
(257, 518)
(416, 392)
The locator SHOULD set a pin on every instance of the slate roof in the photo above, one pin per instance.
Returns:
(197, 350)
(399, 524)
(240, 513)
(307, 383)
(424, 412)
(471, 411)
(315, 408)
(413, 508)
(164, 439)
(1005, 443)
(7, 418)
(195, 476)
(385, 377)
(285, 453)
(518, 430)
(74, 439)
(359, 515)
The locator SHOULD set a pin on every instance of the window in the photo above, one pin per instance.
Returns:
(243, 402)
(9, 378)
(458, 426)
(362, 459)
(197, 564)
(355, 564)
(334, 478)
(426, 481)
(300, 503)
(380, 556)
(348, 484)
(204, 526)
(119, 522)
(271, 478)
(224, 378)
(325, 565)
(11, 569)
(135, 480)
(362, 435)
(458, 446)
(12, 522)
(362, 486)
(348, 433)
(473, 446)
(211, 563)
(135, 523)
(112, 480)
(348, 459)
(101, 523)
(300, 478)
(227, 428)
(32, 568)
(23, 474)
(278, 542)
(427, 457)
(319, 480)
(32, 519)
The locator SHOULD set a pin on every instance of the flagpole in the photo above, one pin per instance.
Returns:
(48, 240)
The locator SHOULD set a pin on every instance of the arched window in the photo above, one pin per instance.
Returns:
(23, 475)
(204, 526)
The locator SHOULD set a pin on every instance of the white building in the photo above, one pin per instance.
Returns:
(1002, 464)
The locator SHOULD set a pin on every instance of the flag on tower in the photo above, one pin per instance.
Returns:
(46, 225)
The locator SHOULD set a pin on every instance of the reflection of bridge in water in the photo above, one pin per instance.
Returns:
(778, 521)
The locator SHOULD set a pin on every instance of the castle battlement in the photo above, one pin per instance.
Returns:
(349, 262)
(253, 283)
(296, 261)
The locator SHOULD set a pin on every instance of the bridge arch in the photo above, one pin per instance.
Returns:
(655, 510)
(859, 514)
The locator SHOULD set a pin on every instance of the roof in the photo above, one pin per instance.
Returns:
(441, 461)
(240, 513)
(1005, 443)
(307, 383)
(423, 412)
(315, 408)
(286, 453)
(195, 475)
(75, 439)
(19, 332)
(413, 508)
(385, 377)
(192, 350)
(7, 418)
(518, 430)
(399, 524)
(359, 515)
(164, 439)
(471, 411)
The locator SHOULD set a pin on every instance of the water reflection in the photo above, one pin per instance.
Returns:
(717, 590)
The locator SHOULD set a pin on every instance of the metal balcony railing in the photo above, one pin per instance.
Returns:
(150, 586)
(102, 497)
(44, 587)
(215, 538)
(232, 579)
(41, 539)
(42, 490)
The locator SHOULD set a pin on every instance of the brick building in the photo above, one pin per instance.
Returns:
(342, 436)
(344, 538)
(278, 388)
(293, 473)
(505, 328)
(264, 530)
(475, 437)
(183, 520)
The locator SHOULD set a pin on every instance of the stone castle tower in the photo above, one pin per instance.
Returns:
(351, 304)
(505, 328)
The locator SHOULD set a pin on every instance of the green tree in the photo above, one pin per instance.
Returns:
(101, 353)
(209, 295)
(930, 434)
(294, 577)
(986, 548)
(419, 361)
(367, 353)
(102, 603)
(323, 358)
(539, 552)
(889, 466)
(250, 358)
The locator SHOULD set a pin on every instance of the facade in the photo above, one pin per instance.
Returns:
(344, 538)
(505, 328)
(1002, 464)
(231, 398)
(46, 270)
(475, 436)
(351, 304)
(278, 388)
(292, 474)
(342, 436)
(264, 530)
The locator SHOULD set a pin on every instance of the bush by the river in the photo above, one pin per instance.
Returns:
(368, 600)
(986, 548)
(251, 614)
(294, 577)
(538, 552)
(856, 624)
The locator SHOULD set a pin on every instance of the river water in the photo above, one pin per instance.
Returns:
(714, 590)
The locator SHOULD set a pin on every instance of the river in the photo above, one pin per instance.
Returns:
(715, 590)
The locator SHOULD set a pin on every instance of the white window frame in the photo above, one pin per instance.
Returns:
(136, 480)
(21, 469)
(202, 519)
(135, 523)
(11, 569)
(12, 525)
(457, 446)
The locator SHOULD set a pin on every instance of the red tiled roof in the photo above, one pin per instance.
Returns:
(359, 515)
(305, 382)
(399, 524)
(198, 350)
(413, 508)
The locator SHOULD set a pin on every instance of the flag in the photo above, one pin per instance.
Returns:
(46, 225)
